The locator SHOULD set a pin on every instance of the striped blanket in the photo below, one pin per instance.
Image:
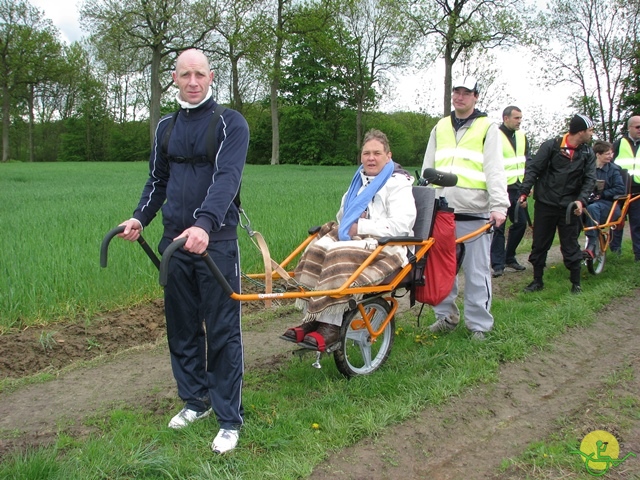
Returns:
(327, 263)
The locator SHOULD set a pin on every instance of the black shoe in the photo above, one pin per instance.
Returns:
(516, 266)
(534, 286)
(576, 288)
(498, 272)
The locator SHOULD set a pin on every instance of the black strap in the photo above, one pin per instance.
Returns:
(212, 143)
(212, 136)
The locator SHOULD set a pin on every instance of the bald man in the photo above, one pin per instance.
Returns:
(195, 169)
(626, 155)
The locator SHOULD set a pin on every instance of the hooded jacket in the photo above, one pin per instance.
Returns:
(469, 200)
(558, 180)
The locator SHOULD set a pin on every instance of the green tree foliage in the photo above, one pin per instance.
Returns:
(316, 92)
(23, 29)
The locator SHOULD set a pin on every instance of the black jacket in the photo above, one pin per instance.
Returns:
(202, 193)
(558, 180)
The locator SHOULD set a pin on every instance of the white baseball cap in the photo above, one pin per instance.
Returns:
(470, 83)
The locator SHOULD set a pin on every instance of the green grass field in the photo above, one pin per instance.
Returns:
(54, 217)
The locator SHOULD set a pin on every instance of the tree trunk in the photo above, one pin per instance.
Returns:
(235, 82)
(156, 92)
(31, 122)
(448, 65)
(358, 130)
(275, 88)
(5, 122)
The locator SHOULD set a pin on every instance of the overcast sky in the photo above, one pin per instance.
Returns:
(419, 92)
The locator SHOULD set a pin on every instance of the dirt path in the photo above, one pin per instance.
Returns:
(462, 440)
(472, 434)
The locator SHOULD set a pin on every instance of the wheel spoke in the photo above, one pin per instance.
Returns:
(365, 350)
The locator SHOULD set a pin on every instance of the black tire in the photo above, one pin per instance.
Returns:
(595, 265)
(357, 355)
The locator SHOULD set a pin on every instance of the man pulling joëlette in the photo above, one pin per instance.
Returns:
(196, 194)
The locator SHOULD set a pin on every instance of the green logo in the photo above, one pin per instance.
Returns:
(600, 451)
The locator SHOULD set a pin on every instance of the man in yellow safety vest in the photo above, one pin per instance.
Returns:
(626, 154)
(515, 150)
(467, 143)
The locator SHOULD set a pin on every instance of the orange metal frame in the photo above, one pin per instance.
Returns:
(603, 239)
(345, 289)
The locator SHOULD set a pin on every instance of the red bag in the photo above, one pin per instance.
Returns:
(442, 263)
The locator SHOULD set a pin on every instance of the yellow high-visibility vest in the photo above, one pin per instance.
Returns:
(514, 160)
(628, 161)
(464, 158)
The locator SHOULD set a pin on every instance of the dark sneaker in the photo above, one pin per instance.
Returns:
(590, 251)
(516, 266)
(534, 286)
(576, 288)
(498, 272)
(444, 324)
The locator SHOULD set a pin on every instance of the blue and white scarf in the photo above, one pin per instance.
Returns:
(355, 203)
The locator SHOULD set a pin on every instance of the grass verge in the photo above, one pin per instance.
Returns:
(296, 415)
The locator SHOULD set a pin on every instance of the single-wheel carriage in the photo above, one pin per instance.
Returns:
(368, 328)
(595, 260)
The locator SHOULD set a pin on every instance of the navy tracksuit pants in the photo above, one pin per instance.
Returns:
(203, 331)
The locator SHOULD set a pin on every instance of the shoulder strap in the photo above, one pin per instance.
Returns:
(212, 130)
(167, 133)
(212, 133)
(212, 136)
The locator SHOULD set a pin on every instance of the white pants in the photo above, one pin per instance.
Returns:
(477, 281)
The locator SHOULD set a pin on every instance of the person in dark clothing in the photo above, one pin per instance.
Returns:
(197, 192)
(562, 172)
(515, 151)
(609, 184)
(626, 154)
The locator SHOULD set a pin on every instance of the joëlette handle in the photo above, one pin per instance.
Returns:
(104, 248)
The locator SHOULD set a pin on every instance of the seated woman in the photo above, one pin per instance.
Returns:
(379, 203)
(609, 184)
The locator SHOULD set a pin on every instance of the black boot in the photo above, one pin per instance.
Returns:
(534, 286)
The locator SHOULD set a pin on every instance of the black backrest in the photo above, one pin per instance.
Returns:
(626, 178)
(425, 199)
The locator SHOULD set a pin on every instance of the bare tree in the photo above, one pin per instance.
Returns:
(376, 32)
(458, 26)
(237, 35)
(589, 43)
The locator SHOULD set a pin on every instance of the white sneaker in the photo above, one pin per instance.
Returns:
(186, 416)
(444, 324)
(225, 441)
